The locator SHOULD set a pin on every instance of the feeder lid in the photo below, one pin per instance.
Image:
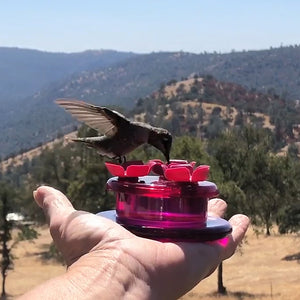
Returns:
(156, 186)
(176, 170)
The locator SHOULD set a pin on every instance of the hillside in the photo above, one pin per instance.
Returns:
(19, 159)
(204, 106)
(38, 120)
(23, 71)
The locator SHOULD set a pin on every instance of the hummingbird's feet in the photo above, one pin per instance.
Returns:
(121, 159)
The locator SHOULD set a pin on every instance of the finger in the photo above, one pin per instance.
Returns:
(55, 204)
(240, 224)
(216, 207)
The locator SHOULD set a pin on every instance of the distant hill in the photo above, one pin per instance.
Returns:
(274, 72)
(23, 71)
(204, 106)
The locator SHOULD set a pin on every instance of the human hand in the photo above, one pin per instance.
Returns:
(106, 261)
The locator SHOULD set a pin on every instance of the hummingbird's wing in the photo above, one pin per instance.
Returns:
(104, 120)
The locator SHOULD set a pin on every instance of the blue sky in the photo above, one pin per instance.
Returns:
(145, 26)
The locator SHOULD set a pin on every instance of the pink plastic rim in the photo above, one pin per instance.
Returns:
(176, 170)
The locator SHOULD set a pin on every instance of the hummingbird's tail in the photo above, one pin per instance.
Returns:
(88, 141)
(100, 143)
(78, 139)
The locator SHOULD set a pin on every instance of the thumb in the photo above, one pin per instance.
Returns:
(55, 204)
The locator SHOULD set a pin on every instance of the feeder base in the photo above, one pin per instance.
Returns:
(215, 228)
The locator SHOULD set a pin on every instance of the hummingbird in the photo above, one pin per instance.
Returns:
(118, 135)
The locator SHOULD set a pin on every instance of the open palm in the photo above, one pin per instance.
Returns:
(142, 267)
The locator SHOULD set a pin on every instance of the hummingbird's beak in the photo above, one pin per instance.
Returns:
(167, 151)
(167, 156)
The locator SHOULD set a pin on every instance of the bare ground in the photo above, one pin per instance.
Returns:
(259, 273)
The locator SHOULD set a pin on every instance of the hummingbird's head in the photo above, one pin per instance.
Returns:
(161, 139)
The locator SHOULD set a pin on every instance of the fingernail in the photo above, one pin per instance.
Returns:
(36, 198)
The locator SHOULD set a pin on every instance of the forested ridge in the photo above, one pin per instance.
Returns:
(205, 106)
(119, 79)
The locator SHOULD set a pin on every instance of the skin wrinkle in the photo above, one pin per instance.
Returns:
(137, 275)
(106, 271)
(111, 235)
(120, 257)
(141, 272)
(75, 285)
(65, 228)
(134, 277)
(59, 234)
(119, 244)
(146, 267)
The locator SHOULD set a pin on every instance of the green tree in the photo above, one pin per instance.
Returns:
(189, 148)
(88, 190)
(252, 171)
(5, 229)
(7, 196)
(215, 127)
(289, 218)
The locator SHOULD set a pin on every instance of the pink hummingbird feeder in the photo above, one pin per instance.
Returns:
(167, 202)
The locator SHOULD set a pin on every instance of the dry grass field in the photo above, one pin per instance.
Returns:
(259, 273)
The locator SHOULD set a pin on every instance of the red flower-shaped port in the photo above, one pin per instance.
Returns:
(128, 169)
(176, 170)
